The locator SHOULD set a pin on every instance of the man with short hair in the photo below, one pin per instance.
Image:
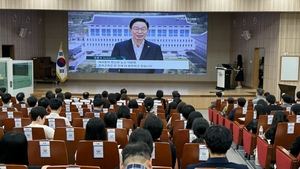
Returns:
(38, 115)
(259, 93)
(6, 101)
(31, 101)
(55, 107)
(21, 98)
(58, 90)
(218, 140)
(271, 104)
(218, 97)
(44, 102)
(241, 103)
(286, 100)
(98, 105)
(136, 156)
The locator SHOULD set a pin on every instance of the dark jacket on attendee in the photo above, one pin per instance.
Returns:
(272, 107)
(221, 162)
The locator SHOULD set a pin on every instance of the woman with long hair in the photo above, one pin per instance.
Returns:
(278, 117)
(240, 75)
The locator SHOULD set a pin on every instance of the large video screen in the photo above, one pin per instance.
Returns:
(130, 42)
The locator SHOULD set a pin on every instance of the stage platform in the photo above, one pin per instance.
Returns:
(199, 95)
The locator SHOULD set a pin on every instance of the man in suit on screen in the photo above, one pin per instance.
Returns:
(137, 48)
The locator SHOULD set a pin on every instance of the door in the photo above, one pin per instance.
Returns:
(258, 67)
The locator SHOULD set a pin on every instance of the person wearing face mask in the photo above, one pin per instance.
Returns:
(137, 48)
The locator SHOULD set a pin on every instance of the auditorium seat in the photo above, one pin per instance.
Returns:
(70, 115)
(173, 111)
(228, 123)
(20, 106)
(4, 115)
(13, 166)
(179, 124)
(92, 114)
(190, 155)
(164, 135)
(175, 116)
(237, 128)
(120, 136)
(284, 159)
(37, 133)
(57, 148)
(127, 124)
(81, 111)
(210, 114)
(55, 122)
(267, 152)
(72, 167)
(229, 108)
(136, 111)
(80, 122)
(215, 116)
(218, 104)
(71, 136)
(10, 123)
(220, 120)
(162, 155)
(85, 154)
(163, 120)
(7, 109)
(133, 117)
(161, 167)
(184, 137)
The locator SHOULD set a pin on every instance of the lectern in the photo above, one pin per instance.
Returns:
(223, 78)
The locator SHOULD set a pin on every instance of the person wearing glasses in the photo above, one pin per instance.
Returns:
(137, 48)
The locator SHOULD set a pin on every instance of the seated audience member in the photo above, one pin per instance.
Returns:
(241, 103)
(199, 127)
(252, 126)
(86, 96)
(259, 95)
(3, 89)
(218, 140)
(172, 105)
(177, 100)
(58, 90)
(295, 149)
(68, 96)
(49, 91)
(13, 149)
(95, 130)
(123, 112)
(271, 104)
(133, 104)
(159, 96)
(110, 120)
(218, 97)
(122, 91)
(148, 103)
(141, 135)
(262, 103)
(285, 100)
(6, 100)
(175, 94)
(278, 117)
(141, 96)
(298, 96)
(50, 96)
(98, 96)
(295, 109)
(266, 94)
(104, 94)
(32, 101)
(191, 118)
(60, 96)
(38, 116)
(180, 106)
(98, 105)
(21, 98)
(230, 100)
(136, 156)
(124, 96)
(44, 102)
(55, 108)
(118, 96)
(155, 126)
(106, 103)
(112, 98)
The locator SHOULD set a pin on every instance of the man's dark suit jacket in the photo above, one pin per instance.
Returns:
(151, 51)
(272, 107)
(217, 162)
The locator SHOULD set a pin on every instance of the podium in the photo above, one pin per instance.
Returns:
(287, 89)
(223, 78)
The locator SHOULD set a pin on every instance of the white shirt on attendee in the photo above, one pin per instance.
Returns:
(49, 132)
(56, 116)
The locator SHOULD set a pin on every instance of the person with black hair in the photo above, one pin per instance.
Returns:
(123, 91)
(240, 74)
(159, 96)
(136, 156)
(85, 95)
(295, 148)
(3, 89)
(241, 103)
(21, 98)
(50, 96)
(298, 96)
(218, 97)
(112, 98)
(155, 126)
(230, 100)
(285, 100)
(118, 96)
(68, 95)
(44, 102)
(137, 48)
(180, 106)
(106, 103)
(60, 96)
(295, 109)
(6, 100)
(262, 103)
(104, 94)
(58, 90)
(110, 120)
(175, 94)
(193, 115)
(95, 129)
(218, 140)
(32, 101)
(172, 105)
(98, 105)
(141, 96)
(252, 125)
(97, 96)
(148, 103)
(199, 127)
(279, 116)
(38, 116)
(55, 107)
(259, 95)
(141, 135)
(266, 94)
(123, 112)
(14, 149)
(271, 104)
(49, 91)
(133, 104)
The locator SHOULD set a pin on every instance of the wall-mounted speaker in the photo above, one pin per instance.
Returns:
(22, 32)
(246, 34)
